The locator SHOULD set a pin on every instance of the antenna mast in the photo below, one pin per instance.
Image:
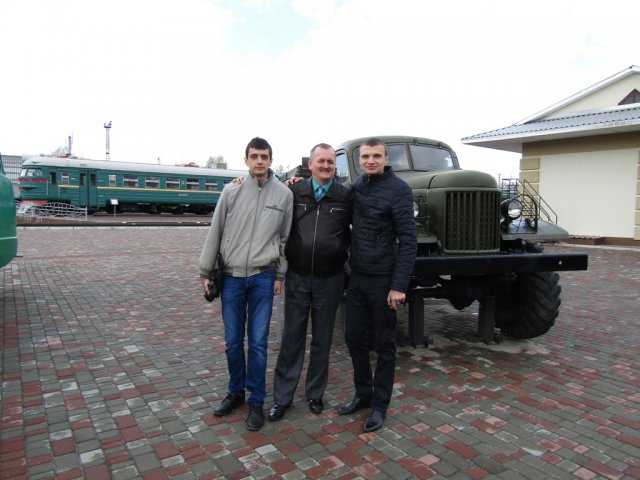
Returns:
(107, 127)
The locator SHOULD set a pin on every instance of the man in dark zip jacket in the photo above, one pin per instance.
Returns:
(383, 251)
(316, 253)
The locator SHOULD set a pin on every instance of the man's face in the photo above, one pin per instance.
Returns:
(323, 165)
(258, 162)
(373, 159)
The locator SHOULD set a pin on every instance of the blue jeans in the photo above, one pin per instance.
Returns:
(247, 302)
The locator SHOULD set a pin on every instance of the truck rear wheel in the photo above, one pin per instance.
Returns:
(528, 304)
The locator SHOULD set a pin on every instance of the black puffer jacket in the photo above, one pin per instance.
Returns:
(384, 229)
(320, 236)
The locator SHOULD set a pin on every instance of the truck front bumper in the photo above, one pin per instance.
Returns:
(500, 263)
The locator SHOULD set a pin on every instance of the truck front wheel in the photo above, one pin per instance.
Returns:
(527, 304)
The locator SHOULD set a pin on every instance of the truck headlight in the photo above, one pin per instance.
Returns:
(511, 208)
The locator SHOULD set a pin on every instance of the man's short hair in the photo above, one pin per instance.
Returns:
(374, 142)
(324, 146)
(259, 144)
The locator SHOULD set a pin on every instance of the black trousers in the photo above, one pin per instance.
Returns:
(319, 296)
(370, 323)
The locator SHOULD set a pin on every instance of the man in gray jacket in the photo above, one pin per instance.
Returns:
(250, 228)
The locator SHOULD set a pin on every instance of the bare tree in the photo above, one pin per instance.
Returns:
(216, 162)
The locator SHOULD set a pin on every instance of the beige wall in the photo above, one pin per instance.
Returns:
(604, 98)
(602, 154)
(593, 193)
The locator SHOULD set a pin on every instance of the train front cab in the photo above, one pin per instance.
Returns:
(40, 184)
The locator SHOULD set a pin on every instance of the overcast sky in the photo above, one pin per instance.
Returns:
(189, 79)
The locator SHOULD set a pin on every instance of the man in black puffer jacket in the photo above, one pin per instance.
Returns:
(383, 250)
(316, 253)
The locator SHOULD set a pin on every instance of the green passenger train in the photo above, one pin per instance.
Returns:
(122, 186)
(8, 234)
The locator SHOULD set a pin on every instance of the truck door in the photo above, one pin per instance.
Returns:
(88, 188)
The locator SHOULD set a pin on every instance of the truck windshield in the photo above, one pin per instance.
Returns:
(428, 159)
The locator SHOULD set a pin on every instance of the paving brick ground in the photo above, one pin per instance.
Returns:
(112, 362)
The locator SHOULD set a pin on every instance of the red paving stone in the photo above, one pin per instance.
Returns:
(106, 331)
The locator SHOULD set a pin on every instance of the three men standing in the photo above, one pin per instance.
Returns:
(254, 217)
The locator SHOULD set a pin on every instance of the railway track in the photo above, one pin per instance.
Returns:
(124, 220)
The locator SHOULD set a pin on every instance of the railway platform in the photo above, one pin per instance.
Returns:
(112, 362)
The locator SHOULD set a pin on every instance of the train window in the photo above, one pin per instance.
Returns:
(210, 184)
(173, 182)
(64, 178)
(112, 180)
(193, 183)
(92, 179)
(152, 182)
(130, 181)
(52, 178)
(31, 172)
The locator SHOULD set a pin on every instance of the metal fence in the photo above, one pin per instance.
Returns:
(52, 209)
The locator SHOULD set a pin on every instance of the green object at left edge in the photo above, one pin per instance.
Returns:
(8, 231)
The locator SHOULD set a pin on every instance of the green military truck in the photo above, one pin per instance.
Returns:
(477, 240)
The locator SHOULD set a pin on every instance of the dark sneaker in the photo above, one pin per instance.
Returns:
(227, 405)
(255, 420)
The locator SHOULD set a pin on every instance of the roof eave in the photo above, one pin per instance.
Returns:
(513, 143)
(581, 94)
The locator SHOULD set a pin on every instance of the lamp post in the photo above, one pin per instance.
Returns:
(107, 127)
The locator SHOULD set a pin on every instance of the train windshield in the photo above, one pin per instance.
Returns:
(30, 172)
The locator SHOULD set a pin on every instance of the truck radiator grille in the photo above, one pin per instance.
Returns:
(472, 222)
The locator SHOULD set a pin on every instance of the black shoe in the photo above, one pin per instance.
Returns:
(255, 420)
(353, 406)
(374, 421)
(277, 412)
(316, 406)
(230, 402)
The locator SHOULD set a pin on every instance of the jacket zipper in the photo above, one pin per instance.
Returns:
(313, 247)
(253, 231)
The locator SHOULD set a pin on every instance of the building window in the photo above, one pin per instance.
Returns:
(193, 184)
(152, 182)
(173, 182)
(130, 181)
(632, 97)
(112, 180)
